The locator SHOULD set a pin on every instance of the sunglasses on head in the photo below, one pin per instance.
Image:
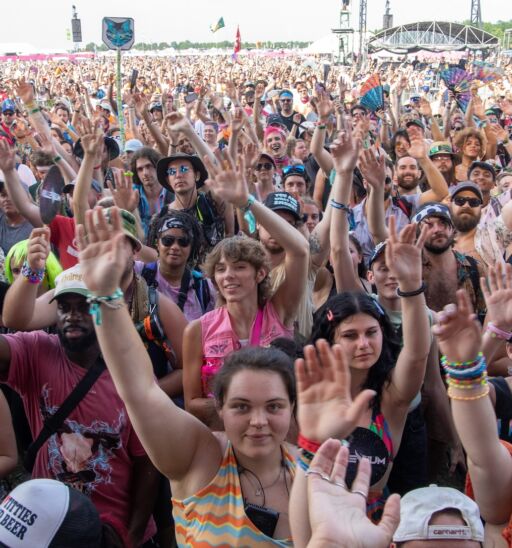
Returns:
(293, 169)
(168, 241)
(463, 200)
(172, 170)
(267, 166)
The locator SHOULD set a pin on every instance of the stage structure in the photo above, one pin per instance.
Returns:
(476, 14)
(345, 34)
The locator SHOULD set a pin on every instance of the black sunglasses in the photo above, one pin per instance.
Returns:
(168, 241)
(463, 200)
(267, 166)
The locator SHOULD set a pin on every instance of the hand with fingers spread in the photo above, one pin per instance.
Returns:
(177, 122)
(251, 154)
(38, 248)
(324, 107)
(25, 91)
(403, 255)
(497, 292)
(458, 332)
(337, 515)
(227, 181)
(7, 156)
(124, 195)
(237, 121)
(345, 151)
(325, 405)
(102, 260)
(373, 168)
(418, 148)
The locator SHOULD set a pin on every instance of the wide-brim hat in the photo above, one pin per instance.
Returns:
(110, 143)
(197, 164)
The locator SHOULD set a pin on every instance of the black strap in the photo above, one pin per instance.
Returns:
(202, 291)
(185, 285)
(53, 423)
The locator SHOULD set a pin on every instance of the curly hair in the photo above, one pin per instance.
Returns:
(343, 306)
(145, 152)
(462, 136)
(19, 252)
(240, 248)
(191, 227)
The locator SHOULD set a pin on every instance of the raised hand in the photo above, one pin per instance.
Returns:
(338, 516)
(345, 150)
(403, 254)
(373, 168)
(141, 103)
(237, 121)
(251, 153)
(24, 91)
(93, 143)
(325, 406)
(38, 248)
(458, 332)
(102, 259)
(177, 122)
(498, 295)
(425, 108)
(418, 148)
(7, 156)
(124, 195)
(324, 107)
(226, 180)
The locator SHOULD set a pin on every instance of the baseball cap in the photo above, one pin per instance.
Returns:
(283, 201)
(155, 106)
(8, 104)
(128, 225)
(416, 122)
(106, 105)
(433, 209)
(440, 147)
(132, 145)
(467, 185)
(70, 281)
(45, 513)
(482, 165)
(268, 157)
(380, 248)
(418, 506)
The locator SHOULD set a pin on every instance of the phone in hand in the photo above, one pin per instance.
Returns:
(133, 79)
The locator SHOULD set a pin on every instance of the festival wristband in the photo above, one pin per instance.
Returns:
(32, 276)
(249, 217)
(406, 294)
(113, 301)
(308, 445)
(497, 333)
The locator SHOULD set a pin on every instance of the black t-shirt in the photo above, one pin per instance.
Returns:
(288, 120)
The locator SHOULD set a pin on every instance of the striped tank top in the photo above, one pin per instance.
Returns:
(215, 516)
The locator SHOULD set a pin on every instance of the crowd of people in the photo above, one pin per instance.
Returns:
(241, 308)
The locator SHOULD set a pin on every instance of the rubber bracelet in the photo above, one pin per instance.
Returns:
(469, 398)
(498, 333)
(97, 167)
(250, 200)
(57, 159)
(418, 291)
(321, 126)
(307, 445)
(34, 110)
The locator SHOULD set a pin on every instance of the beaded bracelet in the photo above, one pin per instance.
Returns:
(460, 365)
(32, 276)
(113, 301)
(469, 398)
(471, 373)
(467, 385)
(304, 460)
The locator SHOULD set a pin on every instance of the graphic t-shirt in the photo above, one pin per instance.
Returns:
(93, 450)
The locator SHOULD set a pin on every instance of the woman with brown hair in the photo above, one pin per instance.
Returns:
(471, 144)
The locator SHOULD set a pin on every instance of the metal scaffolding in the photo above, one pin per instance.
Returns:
(345, 34)
(476, 13)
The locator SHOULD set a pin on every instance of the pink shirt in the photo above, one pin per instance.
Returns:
(94, 448)
(219, 339)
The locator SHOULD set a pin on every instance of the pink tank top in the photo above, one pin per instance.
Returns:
(219, 338)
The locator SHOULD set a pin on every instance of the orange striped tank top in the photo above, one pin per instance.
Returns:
(215, 515)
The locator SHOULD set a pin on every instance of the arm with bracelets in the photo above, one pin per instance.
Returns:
(460, 340)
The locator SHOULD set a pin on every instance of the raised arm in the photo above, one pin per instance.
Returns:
(403, 258)
(171, 436)
(373, 170)
(323, 158)
(489, 463)
(229, 183)
(19, 196)
(438, 186)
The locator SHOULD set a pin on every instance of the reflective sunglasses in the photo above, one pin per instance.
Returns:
(168, 241)
(267, 166)
(463, 200)
(172, 170)
(294, 169)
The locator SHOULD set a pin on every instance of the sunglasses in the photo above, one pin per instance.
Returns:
(8, 113)
(267, 166)
(293, 169)
(172, 170)
(168, 241)
(462, 200)
(285, 100)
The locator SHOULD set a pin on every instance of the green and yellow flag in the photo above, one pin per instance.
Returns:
(219, 25)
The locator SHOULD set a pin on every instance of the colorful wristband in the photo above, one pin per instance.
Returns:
(111, 301)
(308, 445)
(32, 276)
(497, 333)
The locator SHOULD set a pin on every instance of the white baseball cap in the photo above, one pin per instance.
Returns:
(44, 513)
(418, 506)
(70, 281)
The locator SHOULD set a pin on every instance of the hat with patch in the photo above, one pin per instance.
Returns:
(128, 225)
(440, 147)
(433, 209)
(283, 201)
(380, 248)
(467, 185)
(70, 281)
(418, 506)
(44, 513)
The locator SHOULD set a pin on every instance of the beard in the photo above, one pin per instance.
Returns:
(466, 222)
(438, 249)
(79, 344)
(409, 184)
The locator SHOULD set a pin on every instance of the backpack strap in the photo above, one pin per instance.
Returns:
(202, 289)
(185, 285)
(404, 205)
(149, 274)
(55, 421)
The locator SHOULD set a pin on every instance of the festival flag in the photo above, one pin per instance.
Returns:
(238, 45)
(219, 25)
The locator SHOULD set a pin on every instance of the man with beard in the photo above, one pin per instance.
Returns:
(444, 269)
(442, 155)
(94, 448)
(287, 116)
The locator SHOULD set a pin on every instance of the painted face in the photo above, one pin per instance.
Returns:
(174, 247)
(360, 336)
(256, 412)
